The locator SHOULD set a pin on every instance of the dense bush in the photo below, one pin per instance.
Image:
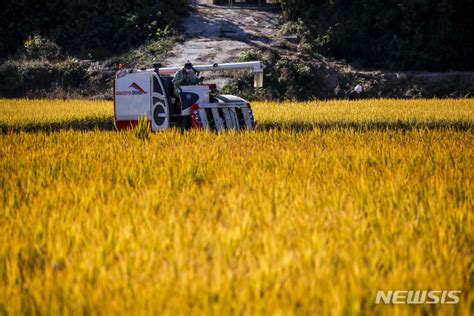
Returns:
(37, 47)
(37, 78)
(401, 34)
(294, 79)
(284, 79)
(86, 27)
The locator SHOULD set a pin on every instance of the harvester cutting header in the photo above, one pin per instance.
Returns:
(166, 98)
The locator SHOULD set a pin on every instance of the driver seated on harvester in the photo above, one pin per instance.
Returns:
(186, 76)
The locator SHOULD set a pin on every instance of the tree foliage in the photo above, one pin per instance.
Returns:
(86, 26)
(397, 34)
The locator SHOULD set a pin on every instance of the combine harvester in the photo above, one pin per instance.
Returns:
(149, 94)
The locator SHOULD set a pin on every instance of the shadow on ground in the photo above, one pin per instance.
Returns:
(85, 124)
(106, 124)
(301, 126)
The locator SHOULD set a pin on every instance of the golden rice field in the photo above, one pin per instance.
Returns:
(321, 207)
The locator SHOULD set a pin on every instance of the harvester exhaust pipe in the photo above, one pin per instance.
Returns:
(255, 66)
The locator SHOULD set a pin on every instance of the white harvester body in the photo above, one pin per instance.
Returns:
(149, 94)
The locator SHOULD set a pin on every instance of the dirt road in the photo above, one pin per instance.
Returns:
(217, 34)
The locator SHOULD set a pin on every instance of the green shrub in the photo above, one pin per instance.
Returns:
(250, 55)
(38, 47)
(284, 79)
(10, 79)
(23, 78)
